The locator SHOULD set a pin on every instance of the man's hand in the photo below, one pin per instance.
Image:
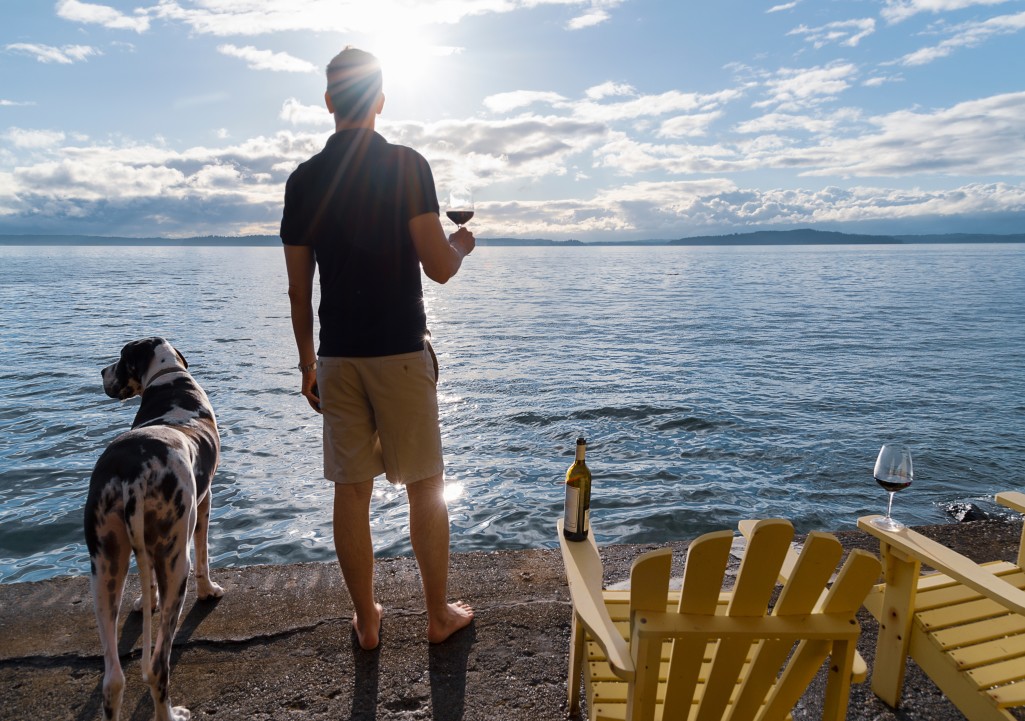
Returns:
(440, 256)
(463, 241)
(310, 390)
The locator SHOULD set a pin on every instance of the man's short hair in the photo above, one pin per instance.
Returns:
(354, 83)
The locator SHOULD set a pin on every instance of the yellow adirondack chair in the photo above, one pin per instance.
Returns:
(704, 654)
(964, 626)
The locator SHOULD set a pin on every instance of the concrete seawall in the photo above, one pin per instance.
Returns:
(278, 645)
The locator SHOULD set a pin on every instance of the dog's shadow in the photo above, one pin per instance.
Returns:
(131, 633)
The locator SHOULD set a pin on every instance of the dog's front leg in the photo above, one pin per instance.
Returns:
(205, 588)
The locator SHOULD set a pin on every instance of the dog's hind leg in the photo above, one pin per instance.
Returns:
(205, 588)
(154, 594)
(172, 566)
(109, 568)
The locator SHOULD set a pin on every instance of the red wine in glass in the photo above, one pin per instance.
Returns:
(459, 217)
(894, 472)
(460, 206)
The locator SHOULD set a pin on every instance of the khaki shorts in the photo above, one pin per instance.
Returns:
(381, 416)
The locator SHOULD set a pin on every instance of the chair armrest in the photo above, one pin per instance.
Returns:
(1013, 500)
(584, 574)
(949, 562)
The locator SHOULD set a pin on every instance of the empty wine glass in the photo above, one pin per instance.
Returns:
(894, 472)
(460, 206)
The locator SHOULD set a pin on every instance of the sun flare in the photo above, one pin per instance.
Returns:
(407, 56)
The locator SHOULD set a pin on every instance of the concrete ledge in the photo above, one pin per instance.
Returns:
(279, 646)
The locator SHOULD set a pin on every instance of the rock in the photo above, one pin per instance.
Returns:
(966, 511)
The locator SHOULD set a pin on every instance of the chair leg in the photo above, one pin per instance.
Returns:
(838, 686)
(576, 660)
(901, 575)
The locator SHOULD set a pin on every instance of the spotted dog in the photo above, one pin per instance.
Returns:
(149, 492)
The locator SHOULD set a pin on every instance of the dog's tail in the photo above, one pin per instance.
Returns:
(137, 537)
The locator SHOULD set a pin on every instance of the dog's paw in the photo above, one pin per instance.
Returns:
(207, 589)
(180, 713)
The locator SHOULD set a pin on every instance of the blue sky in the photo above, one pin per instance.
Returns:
(589, 119)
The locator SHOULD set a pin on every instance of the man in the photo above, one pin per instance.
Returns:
(365, 213)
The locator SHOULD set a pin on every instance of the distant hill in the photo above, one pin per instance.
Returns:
(526, 242)
(803, 236)
(807, 236)
(211, 240)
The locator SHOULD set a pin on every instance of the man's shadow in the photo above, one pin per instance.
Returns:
(447, 663)
(366, 666)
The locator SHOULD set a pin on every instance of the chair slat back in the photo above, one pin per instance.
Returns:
(782, 664)
(649, 591)
(859, 573)
(707, 559)
(756, 580)
(806, 585)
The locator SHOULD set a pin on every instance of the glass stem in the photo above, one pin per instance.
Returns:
(889, 505)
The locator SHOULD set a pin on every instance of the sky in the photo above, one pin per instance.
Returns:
(589, 119)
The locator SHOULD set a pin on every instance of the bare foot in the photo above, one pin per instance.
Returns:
(368, 633)
(457, 615)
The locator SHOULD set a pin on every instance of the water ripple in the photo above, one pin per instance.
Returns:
(712, 384)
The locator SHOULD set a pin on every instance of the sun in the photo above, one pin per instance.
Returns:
(408, 56)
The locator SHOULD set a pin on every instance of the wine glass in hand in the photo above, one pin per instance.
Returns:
(893, 472)
(460, 206)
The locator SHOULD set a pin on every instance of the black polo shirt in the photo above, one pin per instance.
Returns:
(352, 203)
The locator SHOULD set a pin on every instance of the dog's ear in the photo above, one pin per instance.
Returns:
(181, 357)
(137, 356)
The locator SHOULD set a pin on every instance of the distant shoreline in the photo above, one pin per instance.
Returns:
(803, 236)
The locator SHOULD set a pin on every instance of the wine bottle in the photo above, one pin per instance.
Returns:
(578, 496)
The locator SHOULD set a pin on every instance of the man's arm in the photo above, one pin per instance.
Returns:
(300, 263)
(440, 257)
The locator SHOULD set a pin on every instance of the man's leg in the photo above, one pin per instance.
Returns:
(428, 532)
(355, 551)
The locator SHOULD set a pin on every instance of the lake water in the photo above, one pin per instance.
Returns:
(713, 384)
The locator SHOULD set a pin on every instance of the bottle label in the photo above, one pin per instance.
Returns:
(570, 520)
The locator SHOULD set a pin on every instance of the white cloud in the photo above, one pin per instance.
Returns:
(794, 88)
(967, 35)
(5, 103)
(646, 106)
(898, 10)
(780, 8)
(876, 81)
(787, 122)
(268, 60)
(688, 125)
(588, 19)
(677, 209)
(505, 102)
(65, 55)
(238, 188)
(252, 17)
(104, 15)
(609, 89)
(974, 138)
(524, 148)
(844, 32)
(294, 112)
(33, 139)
